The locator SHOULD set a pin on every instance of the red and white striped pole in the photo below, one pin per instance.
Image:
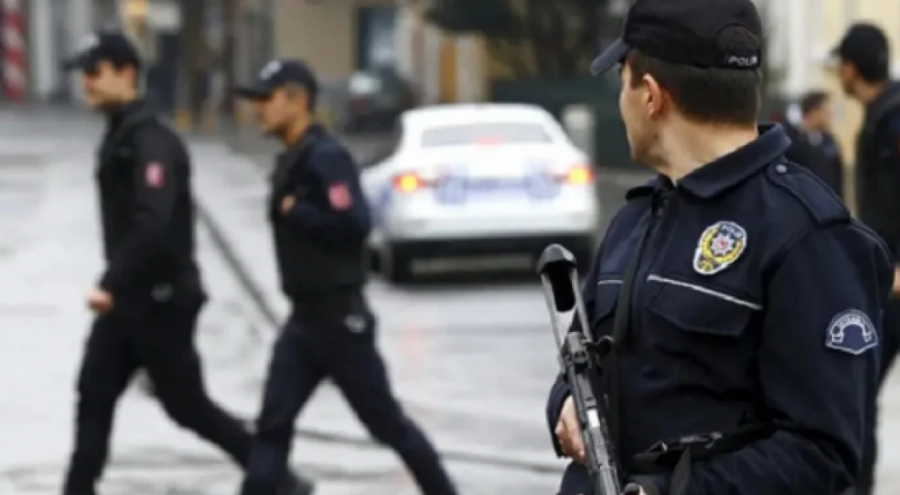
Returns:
(15, 80)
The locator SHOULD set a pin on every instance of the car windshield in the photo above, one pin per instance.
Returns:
(485, 133)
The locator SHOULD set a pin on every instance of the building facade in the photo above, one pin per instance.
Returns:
(801, 34)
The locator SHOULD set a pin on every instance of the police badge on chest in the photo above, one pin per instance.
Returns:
(720, 245)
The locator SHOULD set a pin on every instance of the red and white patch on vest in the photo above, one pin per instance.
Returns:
(155, 175)
(339, 196)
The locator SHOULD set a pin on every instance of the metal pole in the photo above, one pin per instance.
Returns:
(191, 41)
(229, 57)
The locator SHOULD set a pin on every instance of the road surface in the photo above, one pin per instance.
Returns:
(471, 358)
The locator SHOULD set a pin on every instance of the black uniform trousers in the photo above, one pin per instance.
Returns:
(160, 339)
(890, 345)
(310, 349)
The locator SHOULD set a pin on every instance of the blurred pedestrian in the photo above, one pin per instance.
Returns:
(814, 145)
(147, 301)
(320, 221)
(863, 66)
(736, 294)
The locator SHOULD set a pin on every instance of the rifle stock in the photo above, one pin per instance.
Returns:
(557, 268)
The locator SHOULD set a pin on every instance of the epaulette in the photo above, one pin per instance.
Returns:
(817, 197)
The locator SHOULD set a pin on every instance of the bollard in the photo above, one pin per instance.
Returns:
(578, 120)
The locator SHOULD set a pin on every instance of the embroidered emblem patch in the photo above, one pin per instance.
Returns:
(851, 331)
(155, 175)
(339, 197)
(720, 245)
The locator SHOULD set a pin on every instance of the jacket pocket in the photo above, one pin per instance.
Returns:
(700, 309)
(701, 333)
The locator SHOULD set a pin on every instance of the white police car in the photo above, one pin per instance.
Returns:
(479, 179)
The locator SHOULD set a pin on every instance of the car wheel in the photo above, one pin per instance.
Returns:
(396, 266)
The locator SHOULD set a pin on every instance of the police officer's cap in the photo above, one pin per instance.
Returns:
(277, 74)
(702, 33)
(865, 45)
(111, 46)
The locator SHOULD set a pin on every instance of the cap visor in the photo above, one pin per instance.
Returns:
(610, 57)
(252, 92)
(74, 63)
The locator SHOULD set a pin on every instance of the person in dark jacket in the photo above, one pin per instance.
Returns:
(320, 220)
(814, 146)
(863, 66)
(741, 300)
(149, 297)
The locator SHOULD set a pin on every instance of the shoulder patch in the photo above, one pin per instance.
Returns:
(720, 245)
(155, 175)
(339, 196)
(851, 331)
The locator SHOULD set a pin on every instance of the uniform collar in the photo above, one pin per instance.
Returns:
(733, 168)
(727, 171)
(119, 113)
(312, 132)
(892, 89)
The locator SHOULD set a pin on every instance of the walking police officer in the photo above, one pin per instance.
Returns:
(863, 67)
(148, 300)
(320, 221)
(743, 300)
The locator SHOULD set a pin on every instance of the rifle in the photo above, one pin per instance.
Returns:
(578, 360)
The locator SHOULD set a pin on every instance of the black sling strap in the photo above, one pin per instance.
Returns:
(620, 334)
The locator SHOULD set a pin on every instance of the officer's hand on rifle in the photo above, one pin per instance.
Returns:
(568, 432)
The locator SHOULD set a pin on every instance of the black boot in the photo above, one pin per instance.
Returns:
(294, 484)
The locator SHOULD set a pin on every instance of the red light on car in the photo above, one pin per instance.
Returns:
(411, 182)
(580, 175)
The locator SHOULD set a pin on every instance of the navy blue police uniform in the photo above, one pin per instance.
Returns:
(147, 214)
(752, 301)
(877, 174)
(331, 331)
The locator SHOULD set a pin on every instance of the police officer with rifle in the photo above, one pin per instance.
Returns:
(735, 302)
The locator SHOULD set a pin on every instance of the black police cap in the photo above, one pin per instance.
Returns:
(111, 46)
(277, 74)
(701, 33)
(864, 45)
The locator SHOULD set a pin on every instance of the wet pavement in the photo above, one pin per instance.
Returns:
(471, 358)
